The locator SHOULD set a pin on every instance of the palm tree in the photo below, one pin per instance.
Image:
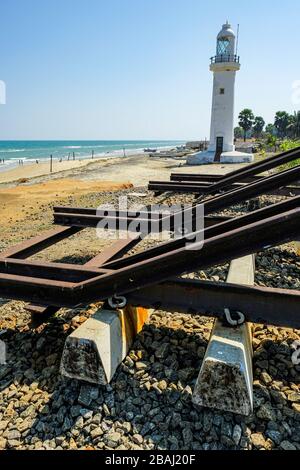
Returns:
(270, 129)
(294, 125)
(258, 127)
(282, 122)
(246, 120)
(297, 124)
(238, 132)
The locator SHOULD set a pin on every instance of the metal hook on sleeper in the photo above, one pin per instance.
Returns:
(233, 322)
(117, 301)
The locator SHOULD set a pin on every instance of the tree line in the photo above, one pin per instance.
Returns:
(285, 125)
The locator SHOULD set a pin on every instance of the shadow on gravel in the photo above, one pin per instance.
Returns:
(146, 406)
(72, 259)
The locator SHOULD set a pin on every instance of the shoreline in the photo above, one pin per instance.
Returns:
(32, 170)
(10, 164)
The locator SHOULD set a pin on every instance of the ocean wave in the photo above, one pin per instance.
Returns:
(14, 159)
(12, 150)
(101, 150)
(74, 147)
(87, 146)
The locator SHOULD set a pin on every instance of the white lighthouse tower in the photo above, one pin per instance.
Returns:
(224, 66)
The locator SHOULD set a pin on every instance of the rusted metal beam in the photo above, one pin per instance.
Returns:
(133, 225)
(108, 213)
(252, 190)
(278, 307)
(149, 224)
(59, 271)
(210, 232)
(219, 249)
(216, 250)
(117, 250)
(23, 281)
(51, 271)
(195, 188)
(211, 205)
(208, 179)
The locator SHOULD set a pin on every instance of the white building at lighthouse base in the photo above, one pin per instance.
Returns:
(208, 157)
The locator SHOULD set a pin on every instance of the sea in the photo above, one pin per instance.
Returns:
(15, 151)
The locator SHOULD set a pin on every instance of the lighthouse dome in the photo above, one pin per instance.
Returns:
(226, 31)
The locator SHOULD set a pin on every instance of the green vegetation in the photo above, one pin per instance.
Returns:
(246, 121)
(270, 129)
(258, 126)
(283, 134)
(285, 126)
(289, 145)
(271, 142)
(238, 133)
(281, 123)
(294, 125)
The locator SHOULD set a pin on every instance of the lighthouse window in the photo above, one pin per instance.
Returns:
(223, 46)
(222, 91)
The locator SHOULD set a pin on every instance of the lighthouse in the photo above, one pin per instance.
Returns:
(224, 66)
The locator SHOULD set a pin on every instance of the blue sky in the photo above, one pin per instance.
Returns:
(137, 69)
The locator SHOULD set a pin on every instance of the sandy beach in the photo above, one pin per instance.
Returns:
(138, 169)
(40, 169)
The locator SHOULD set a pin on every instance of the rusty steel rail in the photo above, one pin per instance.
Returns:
(197, 189)
(207, 180)
(279, 307)
(258, 304)
(253, 189)
(191, 186)
(116, 251)
(149, 224)
(41, 284)
(107, 212)
(145, 277)
(210, 232)
(125, 220)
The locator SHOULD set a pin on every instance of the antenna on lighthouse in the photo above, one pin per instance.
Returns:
(237, 39)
